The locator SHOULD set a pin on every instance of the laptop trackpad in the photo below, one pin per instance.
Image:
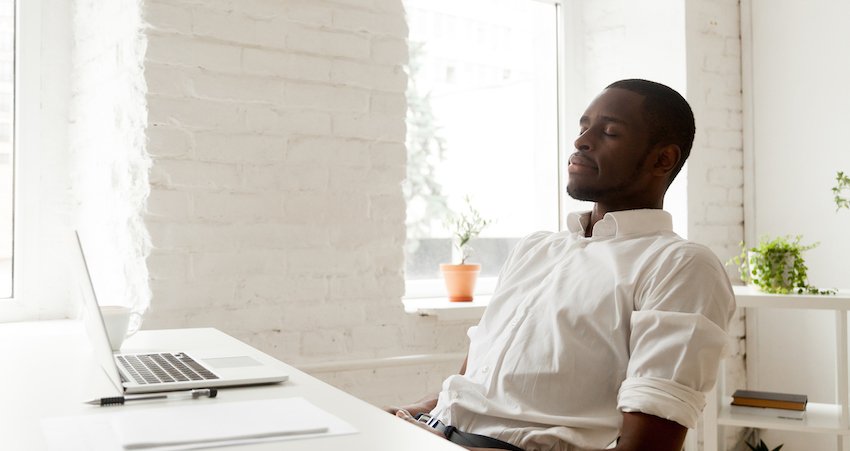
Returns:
(231, 362)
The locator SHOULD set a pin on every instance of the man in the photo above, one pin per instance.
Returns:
(612, 330)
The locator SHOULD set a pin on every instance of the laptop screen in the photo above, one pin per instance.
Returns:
(92, 318)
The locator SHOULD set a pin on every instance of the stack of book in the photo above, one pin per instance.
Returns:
(777, 405)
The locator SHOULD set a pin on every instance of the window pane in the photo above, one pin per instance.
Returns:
(7, 121)
(482, 122)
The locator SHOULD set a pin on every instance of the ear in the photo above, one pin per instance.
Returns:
(666, 159)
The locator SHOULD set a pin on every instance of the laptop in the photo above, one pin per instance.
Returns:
(169, 369)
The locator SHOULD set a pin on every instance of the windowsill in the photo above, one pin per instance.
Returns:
(443, 309)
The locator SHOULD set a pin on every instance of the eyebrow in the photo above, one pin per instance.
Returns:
(616, 120)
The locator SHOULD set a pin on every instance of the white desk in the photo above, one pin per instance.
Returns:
(29, 391)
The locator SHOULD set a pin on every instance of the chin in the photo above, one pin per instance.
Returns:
(579, 193)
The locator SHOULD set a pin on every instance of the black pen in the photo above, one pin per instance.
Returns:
(191, 394)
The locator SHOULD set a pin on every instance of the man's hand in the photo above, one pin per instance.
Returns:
(424, 405)
(406, 416)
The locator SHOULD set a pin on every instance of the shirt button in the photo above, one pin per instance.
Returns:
(485, 369)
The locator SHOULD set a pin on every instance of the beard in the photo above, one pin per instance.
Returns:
(585, 194)
(594, 194)
(597, 193)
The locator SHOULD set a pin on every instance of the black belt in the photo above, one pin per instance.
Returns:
(465, 438)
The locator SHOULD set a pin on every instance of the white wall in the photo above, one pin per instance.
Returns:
(801, 106)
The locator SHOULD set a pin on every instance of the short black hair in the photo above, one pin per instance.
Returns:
(670, 118)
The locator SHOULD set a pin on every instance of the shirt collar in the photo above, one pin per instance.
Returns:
(620, 223)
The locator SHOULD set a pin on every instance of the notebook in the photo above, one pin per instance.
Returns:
(168, 369)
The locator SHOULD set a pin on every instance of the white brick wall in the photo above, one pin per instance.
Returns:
(715, 168)
(714, 91)
(110, 166)
(276, 214)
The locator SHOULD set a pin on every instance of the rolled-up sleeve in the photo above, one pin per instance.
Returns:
(678, 337)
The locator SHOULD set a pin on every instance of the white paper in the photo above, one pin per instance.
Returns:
(184, 427)
(80, 433)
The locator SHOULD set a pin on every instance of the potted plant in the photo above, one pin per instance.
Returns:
(763, 447)
(460, 278)
(777, 266)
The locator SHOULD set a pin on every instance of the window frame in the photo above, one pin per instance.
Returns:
(42, 48)
(435, 288)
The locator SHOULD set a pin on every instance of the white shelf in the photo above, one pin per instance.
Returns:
(820, 418)
(825, 418)
(443, 309)
(747, 296)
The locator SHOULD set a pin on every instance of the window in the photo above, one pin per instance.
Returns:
(482, 122)
(7, 126)
(36, 215)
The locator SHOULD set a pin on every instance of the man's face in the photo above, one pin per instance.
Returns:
(609, 165)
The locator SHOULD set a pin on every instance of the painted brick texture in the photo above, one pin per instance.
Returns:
(276, 214)
(715, 172)
(716, 178)
(109, 163)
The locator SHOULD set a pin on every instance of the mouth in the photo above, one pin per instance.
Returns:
(577, 160)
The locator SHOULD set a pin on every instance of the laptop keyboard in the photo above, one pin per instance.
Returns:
(163, 367)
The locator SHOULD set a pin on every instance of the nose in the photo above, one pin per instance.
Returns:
(582, 142)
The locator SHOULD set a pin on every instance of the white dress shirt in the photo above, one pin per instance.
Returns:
(580, 329)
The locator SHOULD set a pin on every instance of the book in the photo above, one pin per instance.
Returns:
(752, 398)
(768, 412)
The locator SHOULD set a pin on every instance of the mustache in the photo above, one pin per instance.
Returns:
(580, 159)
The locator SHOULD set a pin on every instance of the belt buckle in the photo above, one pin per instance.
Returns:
(428, 420)
(423, 418)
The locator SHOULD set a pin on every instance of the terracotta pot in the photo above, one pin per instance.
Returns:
(460, 280)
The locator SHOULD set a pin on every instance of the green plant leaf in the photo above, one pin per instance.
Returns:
(842, 183)
(465, 226)
(762, 446)
(777, 266)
